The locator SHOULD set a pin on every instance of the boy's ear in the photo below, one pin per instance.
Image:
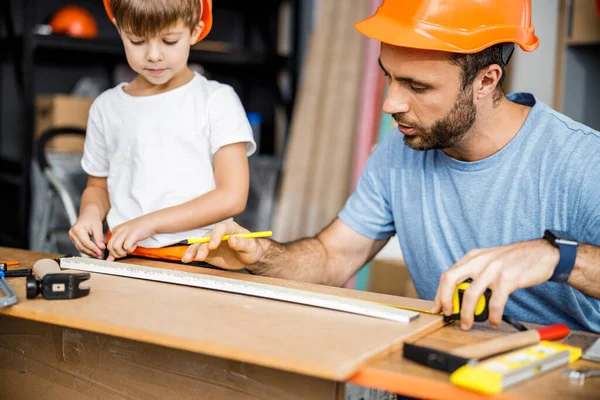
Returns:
(197, 31)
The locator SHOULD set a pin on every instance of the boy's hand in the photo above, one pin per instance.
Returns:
(87, 236)
(125, 237)
(236, 253)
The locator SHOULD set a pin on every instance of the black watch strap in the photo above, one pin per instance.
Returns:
(568, 253)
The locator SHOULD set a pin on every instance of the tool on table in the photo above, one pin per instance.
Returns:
(433, 358)
(8, 295)
(580, 375)
(249, 288)
(513, 341)
(451, 361)
(481, 310)
(14, 273)
(589, 345)
(593, 352)
(9, 263)
(495, 374)
(55, 284)
(249, 235)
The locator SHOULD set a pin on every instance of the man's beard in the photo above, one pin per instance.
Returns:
(446, 132)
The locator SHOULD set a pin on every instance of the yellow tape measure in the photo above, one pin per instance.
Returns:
(481, 309)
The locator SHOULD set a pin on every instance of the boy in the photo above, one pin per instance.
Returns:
(167, 153)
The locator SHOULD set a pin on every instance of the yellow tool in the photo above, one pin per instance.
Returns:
(481, 309)
(494, 374)
(249, 235)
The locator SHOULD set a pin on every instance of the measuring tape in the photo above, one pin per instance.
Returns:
(493, 375)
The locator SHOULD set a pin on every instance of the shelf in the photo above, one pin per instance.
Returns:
(14, 180)
(114, 47)
(583, 42)
(8, 241)
(10, 172)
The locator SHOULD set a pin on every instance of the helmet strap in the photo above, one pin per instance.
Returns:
(507, 52)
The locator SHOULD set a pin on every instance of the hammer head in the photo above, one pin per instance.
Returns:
(62, 286)
(433, 358)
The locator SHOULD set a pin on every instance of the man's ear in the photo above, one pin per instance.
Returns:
(488, 80)
(197, 31)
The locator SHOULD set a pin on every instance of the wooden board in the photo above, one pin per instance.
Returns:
(304, 128)
(296, 338)
(316, 177)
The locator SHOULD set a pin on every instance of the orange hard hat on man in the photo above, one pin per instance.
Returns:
(205, 16)
(458, 26)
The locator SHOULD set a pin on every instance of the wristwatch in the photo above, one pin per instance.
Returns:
(568, 252)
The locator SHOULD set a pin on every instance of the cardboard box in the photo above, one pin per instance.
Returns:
(584, 24)
(62, 110)
(390, 276)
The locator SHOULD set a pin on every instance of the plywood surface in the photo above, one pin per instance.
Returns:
(290, 337)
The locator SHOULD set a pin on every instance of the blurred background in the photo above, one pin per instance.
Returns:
(309, 82)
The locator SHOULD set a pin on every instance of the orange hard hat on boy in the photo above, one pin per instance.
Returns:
(205, 16)
(457, 26)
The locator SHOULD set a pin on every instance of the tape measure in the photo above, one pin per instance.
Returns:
(481, 309)
(494, 374)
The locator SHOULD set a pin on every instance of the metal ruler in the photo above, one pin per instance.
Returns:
(231, 285)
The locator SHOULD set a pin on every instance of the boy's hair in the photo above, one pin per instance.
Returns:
(471, 64)
(146, 18)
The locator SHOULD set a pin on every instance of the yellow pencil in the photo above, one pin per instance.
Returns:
(248, 235)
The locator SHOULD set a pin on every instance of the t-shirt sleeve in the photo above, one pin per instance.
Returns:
(228, 121)
(368, 211)
(95, 157)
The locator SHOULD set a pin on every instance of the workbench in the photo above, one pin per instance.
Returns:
(95, 347)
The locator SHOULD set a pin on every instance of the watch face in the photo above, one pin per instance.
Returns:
(564, 237)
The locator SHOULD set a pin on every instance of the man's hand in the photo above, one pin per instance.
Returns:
(87, 235)
(125, 237)
(234, 254)
(503, 269)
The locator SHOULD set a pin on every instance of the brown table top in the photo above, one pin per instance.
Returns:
(385, 370)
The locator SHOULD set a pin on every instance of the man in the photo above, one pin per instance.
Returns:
(471, 182)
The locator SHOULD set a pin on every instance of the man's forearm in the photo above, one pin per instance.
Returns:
(303, 260)
(586, 275)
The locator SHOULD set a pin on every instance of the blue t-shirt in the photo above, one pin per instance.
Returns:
(547, 177)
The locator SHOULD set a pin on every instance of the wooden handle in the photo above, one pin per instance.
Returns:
(496, 346)
(45, 266)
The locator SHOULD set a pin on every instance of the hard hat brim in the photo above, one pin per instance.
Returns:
(431, 37)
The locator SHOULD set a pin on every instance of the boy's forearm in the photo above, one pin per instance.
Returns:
(210, 208)
(95, 201)
(303, 260)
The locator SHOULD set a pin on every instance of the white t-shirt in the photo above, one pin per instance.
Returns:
(157, 151)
